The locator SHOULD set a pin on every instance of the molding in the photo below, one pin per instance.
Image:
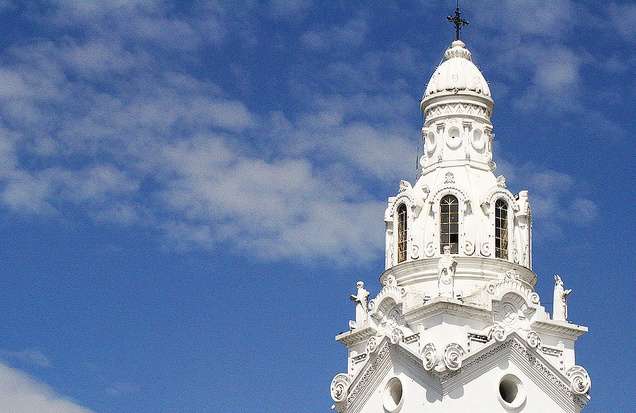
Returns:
(472, 267)
(351, 338)
(561, 329)
(442, 305)
(514, 348)
(532, 363)
(368, 378)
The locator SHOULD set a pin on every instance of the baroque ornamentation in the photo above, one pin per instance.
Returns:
(457, 108)
(372, 345)
(405, 186)
(367, 375)
(534, 298)
(429, 356)
(396, 335)
(430, 249)
(498, 332)
(469, 247)
(485, 249)
(453, 354)
(415, 252)
(390, 281)
(533, 339)
(580, 382)
(339, 387)
(512, 275)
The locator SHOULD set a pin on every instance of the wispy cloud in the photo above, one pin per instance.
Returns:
(350, 34)
(111, 122)
(29, 356)
(20, 393)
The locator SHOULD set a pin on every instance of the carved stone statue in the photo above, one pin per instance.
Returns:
(446, 274)
(361, 305)
(560, 304)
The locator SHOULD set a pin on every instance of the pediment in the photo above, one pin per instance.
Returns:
(441, 385)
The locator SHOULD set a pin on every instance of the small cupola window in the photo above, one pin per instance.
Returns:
(402, 233)
(449, 224)
(501, 229)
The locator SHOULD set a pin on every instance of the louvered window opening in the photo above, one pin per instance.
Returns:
(501, 229)
(402, 233)
(449, 224)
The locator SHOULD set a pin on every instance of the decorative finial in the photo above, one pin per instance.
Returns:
(457, 21)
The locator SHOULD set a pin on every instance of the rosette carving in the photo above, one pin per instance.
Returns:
(580, 382)
(498, 332)
(453, 354)
(533, 339)
(397, 335)
(429, 356)
(340, 387)
(372, 345)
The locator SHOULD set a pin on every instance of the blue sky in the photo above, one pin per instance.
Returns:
(190, 190)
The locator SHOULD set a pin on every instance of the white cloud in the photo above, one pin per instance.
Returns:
(20, 393)
(273, 210)
(104, 124)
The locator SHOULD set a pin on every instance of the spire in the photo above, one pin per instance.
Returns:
(457, 21)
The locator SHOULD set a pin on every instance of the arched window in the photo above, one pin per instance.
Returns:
(449, 224)
(402, 233)
(501, 229)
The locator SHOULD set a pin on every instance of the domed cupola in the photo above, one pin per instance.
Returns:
(457, 73)
(457, 80)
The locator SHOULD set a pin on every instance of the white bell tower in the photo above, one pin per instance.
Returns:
(457, 325)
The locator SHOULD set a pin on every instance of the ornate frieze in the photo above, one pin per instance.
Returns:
(453, 109)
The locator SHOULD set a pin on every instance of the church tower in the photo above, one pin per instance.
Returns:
(457, 325)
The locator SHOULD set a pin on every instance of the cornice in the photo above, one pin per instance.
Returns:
(561, 329)
(485, 268)
(441, 305)
(350, 338)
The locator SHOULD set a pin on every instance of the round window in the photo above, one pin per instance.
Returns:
(511, 392)
(393, 394)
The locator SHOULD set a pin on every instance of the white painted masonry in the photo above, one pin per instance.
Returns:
(459, 329)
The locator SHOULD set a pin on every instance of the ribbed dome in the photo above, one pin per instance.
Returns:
(457, 72)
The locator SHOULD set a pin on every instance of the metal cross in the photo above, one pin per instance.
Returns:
(457, 20)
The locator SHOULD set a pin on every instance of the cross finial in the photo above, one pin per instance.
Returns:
(457, 21)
